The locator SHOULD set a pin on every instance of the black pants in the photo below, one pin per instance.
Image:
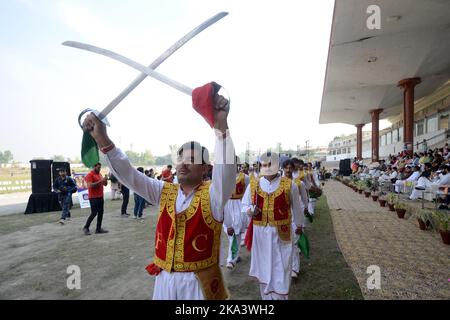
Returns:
(126, 197)
(96, 210)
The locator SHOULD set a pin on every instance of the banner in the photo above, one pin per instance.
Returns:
(83, 197)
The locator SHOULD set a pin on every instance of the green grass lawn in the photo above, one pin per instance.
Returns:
(326, 274)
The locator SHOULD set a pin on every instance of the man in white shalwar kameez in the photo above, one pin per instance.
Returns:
(253, 174)
(288, 169)
(272, 201)
(177, 277)
(238, 219)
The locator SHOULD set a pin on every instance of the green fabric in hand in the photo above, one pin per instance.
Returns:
(89, 151)
(303, 244)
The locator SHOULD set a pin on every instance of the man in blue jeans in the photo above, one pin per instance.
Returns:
(139, 202)
(64, 186)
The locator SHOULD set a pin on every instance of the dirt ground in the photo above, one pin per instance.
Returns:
(36, 252)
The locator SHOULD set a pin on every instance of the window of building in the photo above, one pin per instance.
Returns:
(349, 150)
(432, 124)
(389, 138)
(400, 134)
(420, 128)
(338, 151)
(443, 122)
(395, 136)
(383, 140)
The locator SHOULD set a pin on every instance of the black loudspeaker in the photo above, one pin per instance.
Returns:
(56, 166)
(345, 167)
(41, 176)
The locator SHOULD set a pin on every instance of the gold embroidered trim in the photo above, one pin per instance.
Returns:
(175, 247)
(269, 203)
(240, 179)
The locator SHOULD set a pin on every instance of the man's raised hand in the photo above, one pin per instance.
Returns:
(97, 129)
(221, 109)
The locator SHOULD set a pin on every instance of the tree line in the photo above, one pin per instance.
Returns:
(6, 157)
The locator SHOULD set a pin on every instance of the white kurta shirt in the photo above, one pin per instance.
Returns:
(443, 180)
(271, 258)
(180, 285)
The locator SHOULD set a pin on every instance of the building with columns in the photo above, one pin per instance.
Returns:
(399, 71)
(344, 146)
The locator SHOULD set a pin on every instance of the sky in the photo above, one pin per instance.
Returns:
(269, 55)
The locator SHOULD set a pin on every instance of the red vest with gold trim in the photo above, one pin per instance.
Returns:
(188, 241)
(275, 207)
(240, 187)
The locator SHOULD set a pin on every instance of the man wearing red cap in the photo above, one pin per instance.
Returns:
(187, 237)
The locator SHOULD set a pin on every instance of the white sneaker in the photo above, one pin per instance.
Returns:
(230, 266)
(135, 217)
(61, 222)
(294, 274)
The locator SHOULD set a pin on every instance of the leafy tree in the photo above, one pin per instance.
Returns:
(59, 158)
(133, 157)
(147, 158)
(161, 161)
(6, 157)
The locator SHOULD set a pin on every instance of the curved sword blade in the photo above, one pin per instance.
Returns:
(158, 61)
(118, 57)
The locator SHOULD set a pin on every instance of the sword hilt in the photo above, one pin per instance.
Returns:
(97, 114)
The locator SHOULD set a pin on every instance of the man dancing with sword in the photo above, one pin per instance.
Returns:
(187, 239)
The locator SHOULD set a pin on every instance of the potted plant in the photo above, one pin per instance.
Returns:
(368, 187)
(391, 199)
(382, 199)
(360, 185)
(400, 208)
(375, 195)
(425, 218)
(443, 222)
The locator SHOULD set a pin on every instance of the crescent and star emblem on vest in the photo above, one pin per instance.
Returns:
(194, 242)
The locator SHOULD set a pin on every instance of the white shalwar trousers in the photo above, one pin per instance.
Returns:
(271, 262)
(177, 286)
(230, 258)
(295, 251)
(312, 205)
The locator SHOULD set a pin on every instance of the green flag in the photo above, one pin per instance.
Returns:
(303, 244)
(234, 247)
(89, 150)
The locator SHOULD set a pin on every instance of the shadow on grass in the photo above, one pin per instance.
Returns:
(326, 274)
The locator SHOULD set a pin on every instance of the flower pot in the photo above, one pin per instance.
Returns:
(445, 235)
(391, 207)
(382, 202)
(401, 213)
(367, 194)
(360, 191)
(422, 224)
(355, 189)
(374, 198)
